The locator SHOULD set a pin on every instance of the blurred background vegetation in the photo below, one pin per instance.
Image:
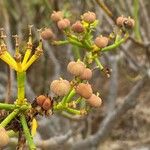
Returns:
(129, 63)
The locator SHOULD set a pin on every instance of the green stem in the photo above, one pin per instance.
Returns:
(66, 98)
(76, 52)
(26, 131)
(60, 107)
(11, 133)
(98, 63)
(9, 118)
(78, 100)
(72, 111)
(136, 17)
(75, 42)
(113, 46)
(21, 77)
(13, 106)
(60, 42)
(7, 106)
(70, 96)
(117, 38)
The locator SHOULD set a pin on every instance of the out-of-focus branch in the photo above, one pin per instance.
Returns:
(8, 91)
(136, 17)
(105, 8)
(113, 87)
(145, 16)
(54, 141)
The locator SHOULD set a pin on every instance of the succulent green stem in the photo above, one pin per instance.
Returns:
(136, 17)
(99, 63)
(72, 111)
(60, 42)
(70, 96)
(27, 134)
(60, 107)
(76, 52)
(21, 77)
(115, 45)
(66, 98)
(11, 133)
(75, 42)
(13, 106)
(7, 106)
(78, 100)
(9, 118)
(117, 38)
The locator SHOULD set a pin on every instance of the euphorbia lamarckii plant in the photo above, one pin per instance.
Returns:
(75, 97)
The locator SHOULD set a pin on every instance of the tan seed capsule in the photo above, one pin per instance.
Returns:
(89, 17)
(67, 22)
(56, 16)
(47, 104)
(60, 87)
(129, 23)
(70, 65)
(76, 68)
(101, 42)
(84, 90)
(4, 138)
(40, 100)
(63, 24)
(77, 27)
(94, 101)
(86, 75)
(47, 34)
(120, 21)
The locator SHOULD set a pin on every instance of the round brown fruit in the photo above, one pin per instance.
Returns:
(40, 100)
(47, 34)
(77, 27)
(101, 42)
(129, 23)
(87, 74)
(63, 24)
(60, 87)
(84, 90)
(76, 68)
(89, 17)
(120, 21)
(47, 104)
(94, 101)
(56, 16)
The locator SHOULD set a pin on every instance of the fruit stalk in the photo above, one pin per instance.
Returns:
(7, 106)
(9, 118)
(26, 131)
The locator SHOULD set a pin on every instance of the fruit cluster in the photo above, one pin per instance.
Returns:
(42, 105)
(79, 84)
(75, 96)
(80, 34)
(126, 22)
